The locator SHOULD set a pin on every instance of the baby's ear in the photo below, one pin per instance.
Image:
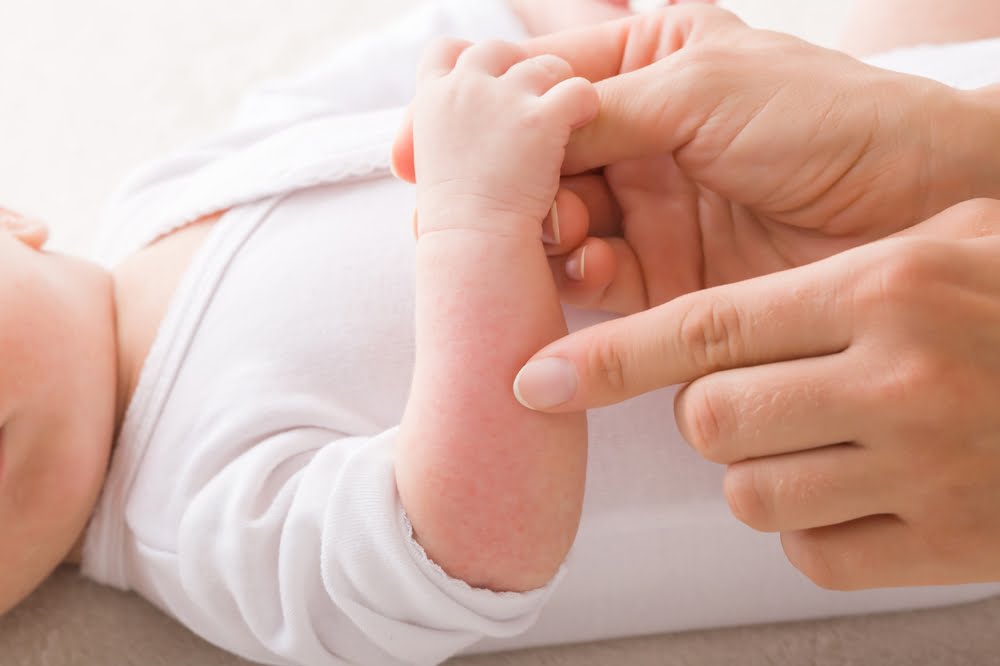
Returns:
(30, 231)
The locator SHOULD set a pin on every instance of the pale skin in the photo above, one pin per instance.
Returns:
(50, 481)
(78, 336)
(493, 491)
(75, 339)
(853, 399)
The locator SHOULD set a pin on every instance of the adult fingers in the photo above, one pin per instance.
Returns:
(540, 73)
(774, 409)
(604, 213)
(651, 111)
(877, 551)
(783, 316)
(602, 51)
(808, 489)
(658, 103)
(566, 226)
(601, 274)
(646, 109)
(575, 99)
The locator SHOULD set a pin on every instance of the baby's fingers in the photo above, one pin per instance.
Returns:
(440, 59)
(494, 58)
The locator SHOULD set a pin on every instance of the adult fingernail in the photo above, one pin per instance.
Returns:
(545, 384)
(576, 265)
(550, 227)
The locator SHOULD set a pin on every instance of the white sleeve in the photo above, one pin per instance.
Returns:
(299, 552)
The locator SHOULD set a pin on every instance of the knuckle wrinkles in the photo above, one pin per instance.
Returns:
(712, 333)
(811, 557)
(608, 367)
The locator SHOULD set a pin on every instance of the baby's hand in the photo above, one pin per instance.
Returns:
(490, 132)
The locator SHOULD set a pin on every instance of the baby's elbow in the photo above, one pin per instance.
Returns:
(493, 505)
(513, 563)
(504, 544)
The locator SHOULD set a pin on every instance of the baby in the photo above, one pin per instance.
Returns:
(318, 458)
(252, 365)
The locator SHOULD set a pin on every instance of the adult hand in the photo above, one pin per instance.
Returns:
(737, 152)
(856, 400)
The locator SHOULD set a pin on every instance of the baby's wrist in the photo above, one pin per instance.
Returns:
(477, 223)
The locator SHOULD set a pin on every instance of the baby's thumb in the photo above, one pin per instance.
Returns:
(401, 161)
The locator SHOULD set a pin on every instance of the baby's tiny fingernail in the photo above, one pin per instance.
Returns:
(10, 217)
(550, 227)
(545, 384)
(576, 265)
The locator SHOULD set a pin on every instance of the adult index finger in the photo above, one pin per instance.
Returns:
(785, 316)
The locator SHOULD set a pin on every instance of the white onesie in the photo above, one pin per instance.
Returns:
(252, 496)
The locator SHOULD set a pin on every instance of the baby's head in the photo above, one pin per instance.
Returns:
(57, 402)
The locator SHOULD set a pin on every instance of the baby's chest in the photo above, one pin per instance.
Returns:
(321, 302)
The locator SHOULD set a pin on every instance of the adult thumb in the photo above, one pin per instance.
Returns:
(668, 90)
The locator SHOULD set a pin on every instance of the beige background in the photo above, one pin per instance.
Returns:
(89, 90)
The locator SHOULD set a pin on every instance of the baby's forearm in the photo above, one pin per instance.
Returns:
(493, 490)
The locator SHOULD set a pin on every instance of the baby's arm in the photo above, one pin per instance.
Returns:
(493, 491)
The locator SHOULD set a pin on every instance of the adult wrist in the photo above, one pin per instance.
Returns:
(984, 111)
(966, 147)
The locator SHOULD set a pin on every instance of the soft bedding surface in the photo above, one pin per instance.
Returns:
(90, 90)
